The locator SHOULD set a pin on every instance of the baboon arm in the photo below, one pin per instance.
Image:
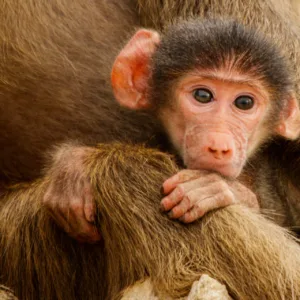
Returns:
(231, 245)
(38, 259)
(254, 258)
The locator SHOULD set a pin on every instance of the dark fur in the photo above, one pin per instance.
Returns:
(276, 19)
(275, 174)
(55, 80)
(214, 44)
(253, 257)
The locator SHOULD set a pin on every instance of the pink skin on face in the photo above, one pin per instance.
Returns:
(216, 136)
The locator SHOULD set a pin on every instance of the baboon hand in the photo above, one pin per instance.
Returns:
(190, 194)
(69, 196)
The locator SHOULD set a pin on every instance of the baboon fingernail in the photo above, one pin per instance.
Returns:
(162, 190)
(162, 208)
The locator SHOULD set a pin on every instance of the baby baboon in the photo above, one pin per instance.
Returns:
(253, 257)
(275, 175)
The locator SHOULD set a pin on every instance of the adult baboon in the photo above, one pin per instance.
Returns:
(41, 261)
(56, 61)
(54, 75)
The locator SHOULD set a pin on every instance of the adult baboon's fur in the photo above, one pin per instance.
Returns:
(54, 81)
(55, 65)
(56, 61)
(255, 258)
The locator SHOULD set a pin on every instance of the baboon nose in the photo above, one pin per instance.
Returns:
(220, 152)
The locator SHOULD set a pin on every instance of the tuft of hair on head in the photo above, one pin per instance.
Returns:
(214, 44)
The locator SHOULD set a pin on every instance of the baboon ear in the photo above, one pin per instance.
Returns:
(289, 125)
(131, 70)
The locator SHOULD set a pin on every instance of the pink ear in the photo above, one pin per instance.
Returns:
(131, 71)
(289, 125)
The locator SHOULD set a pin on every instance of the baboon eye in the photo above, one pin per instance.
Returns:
(244, 102)
(203, 95)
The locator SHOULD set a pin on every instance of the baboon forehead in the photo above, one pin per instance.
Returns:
(218, 43)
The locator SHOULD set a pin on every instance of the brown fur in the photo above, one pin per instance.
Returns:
(276, 174)
(60, 70)
(58, 65)
(56, 60)
(255, 258)
(55, 80)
